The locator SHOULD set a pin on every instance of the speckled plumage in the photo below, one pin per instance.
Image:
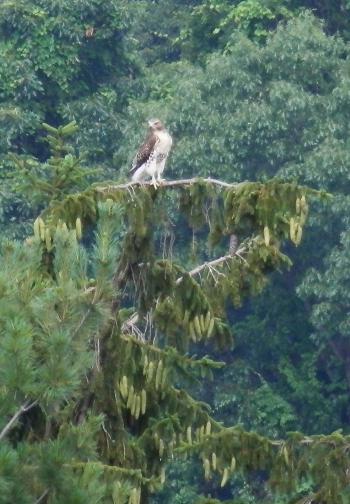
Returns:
(152, 155)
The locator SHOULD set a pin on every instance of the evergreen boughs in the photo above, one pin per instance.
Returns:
(182, 309)
(62, 173)
(94, 339)
(48, 318)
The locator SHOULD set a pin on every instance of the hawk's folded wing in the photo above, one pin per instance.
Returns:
(144, 152)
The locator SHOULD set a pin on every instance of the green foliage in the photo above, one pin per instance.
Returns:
(131, 384)
(278, 109)
(255, 17)
(46, 322)
(334, 14)
(266, 112)
(62, 173)
(176, 298)
(60, 61)
(64, 60)
(243, 100)
(215, 24)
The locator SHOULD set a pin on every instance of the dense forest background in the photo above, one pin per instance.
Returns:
(249, 89)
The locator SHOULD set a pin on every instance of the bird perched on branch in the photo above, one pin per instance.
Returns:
(151, 157)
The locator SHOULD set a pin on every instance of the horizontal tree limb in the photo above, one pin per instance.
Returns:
(305, 441)
(168, 183)
(164, 352)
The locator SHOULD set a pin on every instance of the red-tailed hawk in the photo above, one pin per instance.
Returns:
(151, 157)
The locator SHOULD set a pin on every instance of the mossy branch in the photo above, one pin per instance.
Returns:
(120, 471)
(168, 183)
(173, 354)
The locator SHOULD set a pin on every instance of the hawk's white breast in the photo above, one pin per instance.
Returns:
(164, 143)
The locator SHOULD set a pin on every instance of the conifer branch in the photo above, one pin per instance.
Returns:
(224, 435)
(168, 183)
(213, 263)
(172, 353)
(120, 471)
(25, 407)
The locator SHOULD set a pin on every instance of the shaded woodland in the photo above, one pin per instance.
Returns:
(142, 359)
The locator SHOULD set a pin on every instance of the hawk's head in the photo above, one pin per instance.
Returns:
(155, 124)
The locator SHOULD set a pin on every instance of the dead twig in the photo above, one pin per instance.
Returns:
(23, 409)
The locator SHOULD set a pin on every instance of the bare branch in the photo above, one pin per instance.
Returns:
(167, 183)
(82, 321)
(42, 497)
(25, 407)
(129, 327)
(211, 264)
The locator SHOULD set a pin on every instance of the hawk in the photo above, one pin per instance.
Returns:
(151, 157)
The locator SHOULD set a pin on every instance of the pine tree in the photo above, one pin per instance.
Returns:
(100, 319)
